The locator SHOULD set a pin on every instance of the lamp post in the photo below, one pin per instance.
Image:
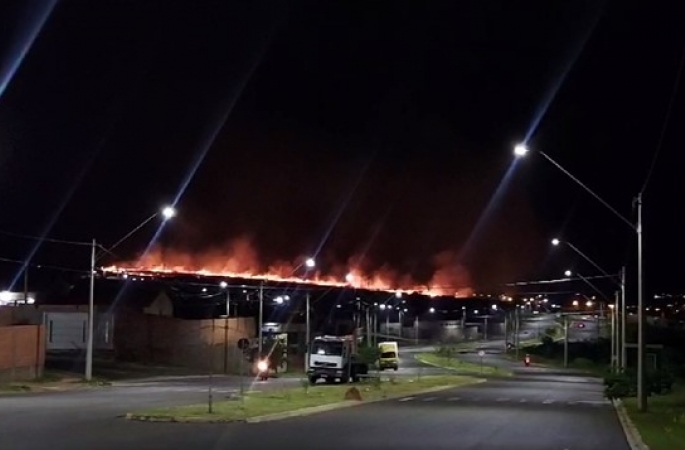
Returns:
(310, 263)
(520, 150)
(619, 309)
(167, 212)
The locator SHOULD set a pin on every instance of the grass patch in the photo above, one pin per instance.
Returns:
(263, 403)
(451, 362)
(662, 427)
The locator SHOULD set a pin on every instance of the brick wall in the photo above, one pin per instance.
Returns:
(22, 352)
(186, 343)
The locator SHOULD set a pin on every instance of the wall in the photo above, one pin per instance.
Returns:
(196, 344)
(22, 352)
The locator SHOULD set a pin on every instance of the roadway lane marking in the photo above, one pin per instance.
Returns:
(523, 400)
(454, 399)
(429, 399)
(503, 399)
(406, 399)
(548, 402)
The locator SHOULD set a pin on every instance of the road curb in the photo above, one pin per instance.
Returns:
(632, 434)
(150, 418)
(294, 413)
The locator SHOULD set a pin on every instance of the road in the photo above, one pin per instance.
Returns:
(539, 408)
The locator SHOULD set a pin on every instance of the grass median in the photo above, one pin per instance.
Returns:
(662, 427)
(455, 363)
(292, 399)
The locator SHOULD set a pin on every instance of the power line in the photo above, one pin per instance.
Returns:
(42, 266)
(55, 240)
(45, 239)
(664, 126)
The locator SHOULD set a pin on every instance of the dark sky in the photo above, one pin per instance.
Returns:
(402, 115)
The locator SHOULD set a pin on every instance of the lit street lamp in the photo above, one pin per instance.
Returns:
(521, 150)
(620, 309)
(168, 212)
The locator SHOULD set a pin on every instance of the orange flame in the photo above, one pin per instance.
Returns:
(241, 260)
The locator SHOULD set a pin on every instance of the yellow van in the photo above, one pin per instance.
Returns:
(389, 355)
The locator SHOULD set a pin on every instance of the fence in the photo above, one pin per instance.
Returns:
(22, 352)
(196, 344)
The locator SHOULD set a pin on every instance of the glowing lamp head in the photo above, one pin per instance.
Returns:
(223, 285)
(349, 278)
(556, 242)
(431, 310)
(263, 366)
(310, 263)
(520, 150)
(568, 273)
(168, 212)
(398, 294)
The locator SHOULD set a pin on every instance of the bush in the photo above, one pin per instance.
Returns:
(617, 386)
(446, 351)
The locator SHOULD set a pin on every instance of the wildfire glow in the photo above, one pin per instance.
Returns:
(239, 260)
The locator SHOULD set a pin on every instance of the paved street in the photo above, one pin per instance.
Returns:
(540, 408)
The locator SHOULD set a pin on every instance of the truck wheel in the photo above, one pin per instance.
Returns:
(395, 368)
(312, 380)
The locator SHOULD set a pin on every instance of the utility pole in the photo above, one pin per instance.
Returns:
(261, 316)
(307, 337)
(485, 328)
(91, 315)
(210, 389)
(387, 324)
(517, 326)
(624, 355)
(26, 283)
(368, 327)
(416, 330)
(565, 341)
(641, 394)
(506, 332)
(228, 305)
(614, 335)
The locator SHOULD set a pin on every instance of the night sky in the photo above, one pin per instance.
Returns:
(374, 128)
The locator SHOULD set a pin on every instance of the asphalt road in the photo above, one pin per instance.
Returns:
(539, 408)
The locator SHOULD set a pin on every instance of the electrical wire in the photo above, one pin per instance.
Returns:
(45, 239)
(43, 266)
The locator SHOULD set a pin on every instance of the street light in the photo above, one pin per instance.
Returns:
(431, 310)
(568, 273)
(310, 263)
(349, 277)
(620, 309)
(168, 212)
(520, 150)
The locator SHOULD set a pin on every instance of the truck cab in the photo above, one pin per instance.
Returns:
(389, 357)
(334, 358)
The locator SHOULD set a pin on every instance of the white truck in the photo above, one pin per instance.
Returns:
(333, 358)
